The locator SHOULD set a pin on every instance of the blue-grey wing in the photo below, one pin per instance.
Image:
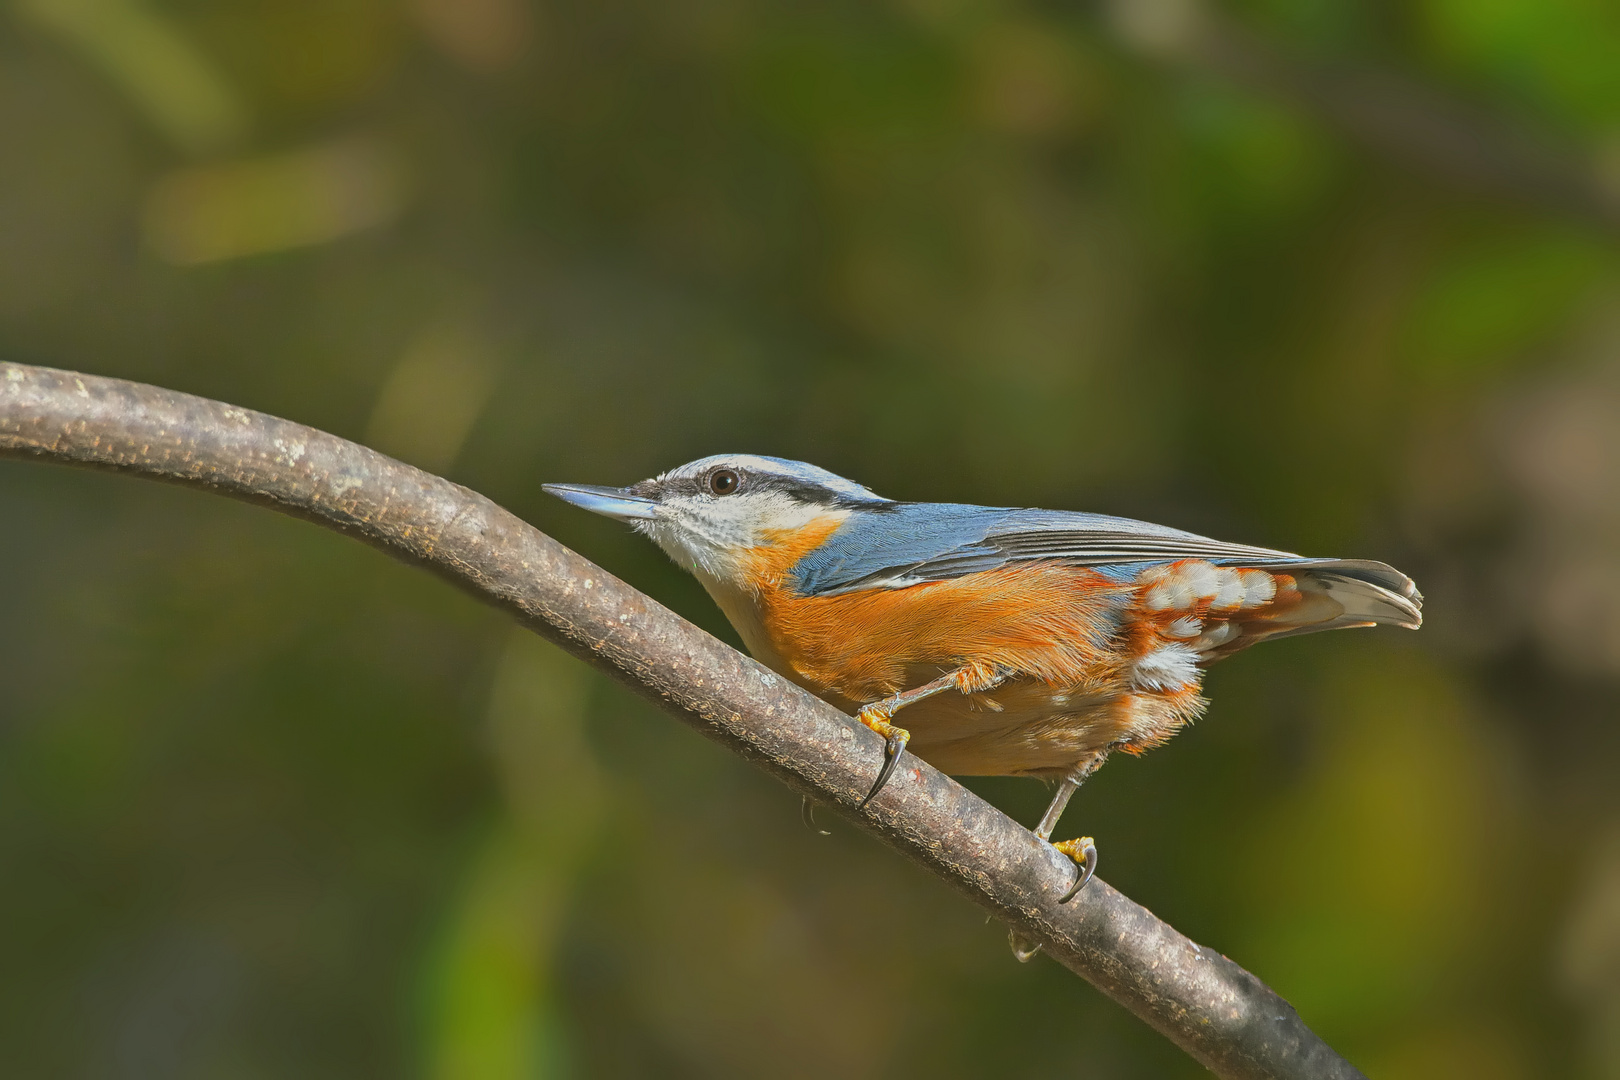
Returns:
(909, 543)
(1091, 540)
(874, 545)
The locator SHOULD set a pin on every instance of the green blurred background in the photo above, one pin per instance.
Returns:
(1327, 275)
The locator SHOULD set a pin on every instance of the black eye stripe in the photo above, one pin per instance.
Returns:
(805, 491)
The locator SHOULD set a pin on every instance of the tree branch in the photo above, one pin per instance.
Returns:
(1213, 1009)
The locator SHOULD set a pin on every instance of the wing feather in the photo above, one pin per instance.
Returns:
(910, 543)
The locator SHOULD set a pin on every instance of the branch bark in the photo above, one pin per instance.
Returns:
(1210, 1007)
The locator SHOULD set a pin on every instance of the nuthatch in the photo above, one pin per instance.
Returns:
(1019, 642)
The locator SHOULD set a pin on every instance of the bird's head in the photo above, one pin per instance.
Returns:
(713, 515)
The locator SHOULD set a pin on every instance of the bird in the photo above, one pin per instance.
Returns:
(988, 641)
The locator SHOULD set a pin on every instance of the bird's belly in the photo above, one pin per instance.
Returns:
(1037, 729)
(1091, 670)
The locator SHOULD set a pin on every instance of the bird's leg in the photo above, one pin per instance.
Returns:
(876, 716)
(1083, 851)
(969, 679)
(1060, 800)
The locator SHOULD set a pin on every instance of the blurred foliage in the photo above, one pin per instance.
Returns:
(273, 806)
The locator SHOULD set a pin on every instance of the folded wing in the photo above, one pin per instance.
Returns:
(910, 543)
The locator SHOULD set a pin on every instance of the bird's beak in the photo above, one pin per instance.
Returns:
(609, 502)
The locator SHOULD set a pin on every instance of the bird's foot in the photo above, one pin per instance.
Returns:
(876, 717)
(1084, 853)
(1024, 949)
(807, 814)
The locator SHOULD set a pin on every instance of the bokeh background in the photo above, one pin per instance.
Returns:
(1326, 275)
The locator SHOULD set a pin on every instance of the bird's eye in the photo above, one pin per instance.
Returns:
(724, 481)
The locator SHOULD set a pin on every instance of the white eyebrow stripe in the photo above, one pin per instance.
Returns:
(798, 471)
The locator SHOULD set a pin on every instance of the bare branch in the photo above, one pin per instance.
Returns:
(1213, 1009)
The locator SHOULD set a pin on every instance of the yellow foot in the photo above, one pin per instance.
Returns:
(876, 717)
(1084, 853)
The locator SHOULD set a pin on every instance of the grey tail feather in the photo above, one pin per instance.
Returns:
(1370, 592)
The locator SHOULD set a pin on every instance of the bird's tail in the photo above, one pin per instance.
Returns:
(1322, 594)
(1369, 592)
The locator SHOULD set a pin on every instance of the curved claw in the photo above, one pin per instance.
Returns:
(1023, 949)
(1084, 853)
(893, 746)
(807, 814)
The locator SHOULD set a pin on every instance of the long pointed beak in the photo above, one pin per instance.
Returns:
(607, 501)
